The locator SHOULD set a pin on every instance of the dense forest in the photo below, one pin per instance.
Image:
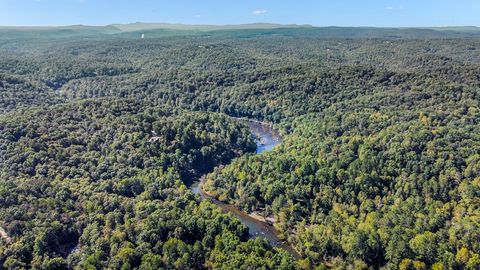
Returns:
(102, 132)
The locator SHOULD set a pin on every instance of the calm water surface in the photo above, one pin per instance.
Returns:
(267, 138)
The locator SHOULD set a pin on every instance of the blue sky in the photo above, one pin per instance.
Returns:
(396, 13)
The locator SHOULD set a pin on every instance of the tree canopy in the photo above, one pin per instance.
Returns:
(101, 135)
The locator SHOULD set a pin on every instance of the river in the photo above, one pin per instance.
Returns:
(267, 139)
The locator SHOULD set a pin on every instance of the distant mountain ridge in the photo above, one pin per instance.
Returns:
(139, 26)
(152, 26)
(152, 30)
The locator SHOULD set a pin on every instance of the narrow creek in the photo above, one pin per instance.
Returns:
(267, 139)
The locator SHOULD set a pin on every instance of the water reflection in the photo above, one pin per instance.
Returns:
(267, 138)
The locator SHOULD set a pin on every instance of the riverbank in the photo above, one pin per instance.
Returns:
(270, 220)
(255, 215)
(258, 226)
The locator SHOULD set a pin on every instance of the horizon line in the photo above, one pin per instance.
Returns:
(233, 24)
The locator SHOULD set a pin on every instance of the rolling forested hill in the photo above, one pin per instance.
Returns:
(102, 131)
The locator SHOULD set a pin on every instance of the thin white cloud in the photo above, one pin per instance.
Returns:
(259, 12)
(394, 8)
